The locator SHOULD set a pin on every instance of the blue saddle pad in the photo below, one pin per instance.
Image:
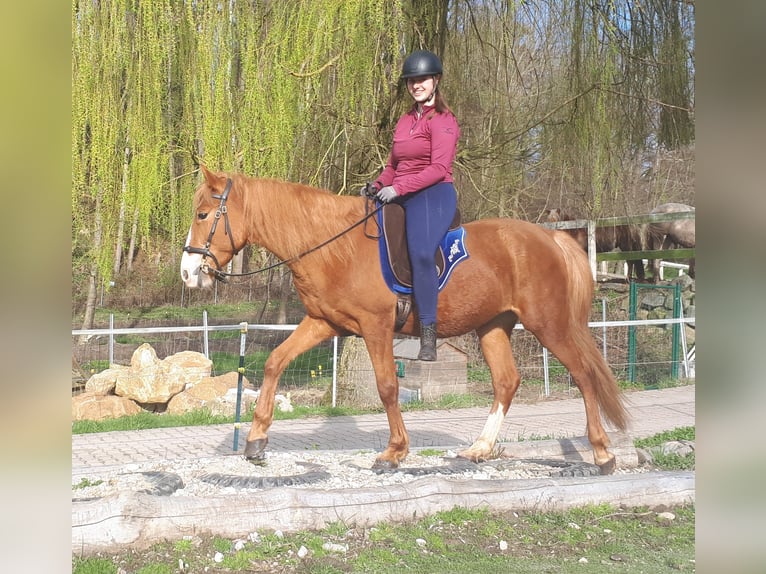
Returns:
(452, 247)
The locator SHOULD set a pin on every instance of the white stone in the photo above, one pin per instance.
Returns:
(332, 547)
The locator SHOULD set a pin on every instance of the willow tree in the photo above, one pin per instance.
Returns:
(118, 138)
(618, 57)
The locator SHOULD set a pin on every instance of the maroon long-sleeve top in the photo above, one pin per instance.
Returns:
(422, 153)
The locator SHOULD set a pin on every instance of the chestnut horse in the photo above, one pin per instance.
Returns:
(517, 271)
(608, 238)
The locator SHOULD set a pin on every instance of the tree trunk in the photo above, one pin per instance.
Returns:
(132, 246)
(355, 376)
(284, 296)
(90, 301)
(121, 220)
(237, 262)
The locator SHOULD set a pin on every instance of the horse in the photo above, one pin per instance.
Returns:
(516, 271)
(608, 238)
(671, 234)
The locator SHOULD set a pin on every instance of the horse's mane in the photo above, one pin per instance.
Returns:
(315, 214)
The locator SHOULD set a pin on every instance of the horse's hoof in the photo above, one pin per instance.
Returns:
(472, 456)
(608, 467)
(384, 464)
(255, 450)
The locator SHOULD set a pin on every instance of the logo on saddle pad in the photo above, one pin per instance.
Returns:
(395, 259)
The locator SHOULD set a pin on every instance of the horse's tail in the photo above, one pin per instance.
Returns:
(581, 291)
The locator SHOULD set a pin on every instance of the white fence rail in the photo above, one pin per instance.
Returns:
(687, 358)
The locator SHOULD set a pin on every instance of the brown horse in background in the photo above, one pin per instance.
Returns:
(608, 238)
(671, 234)
(516, 271)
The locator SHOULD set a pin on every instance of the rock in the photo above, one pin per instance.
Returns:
(103, 383)
(666, 516)
(303, 552)
(97, 407)
(283, 403)
(652, 300)
(678, 447)
(332, 547)
(149, 380)
(189, 366)
(644, 456)
(214, 394)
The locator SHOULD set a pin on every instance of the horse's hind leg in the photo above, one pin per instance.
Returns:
(309, 333)
(495, 345)
(575, 348)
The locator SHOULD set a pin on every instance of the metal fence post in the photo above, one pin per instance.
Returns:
(334, 370)
(632, 334)
(241, 374)
(205, 349)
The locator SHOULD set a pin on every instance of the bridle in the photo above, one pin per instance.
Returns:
(218, 272)
(222, 275)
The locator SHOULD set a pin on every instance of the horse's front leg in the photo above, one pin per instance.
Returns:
(309, 333)
(381, 350)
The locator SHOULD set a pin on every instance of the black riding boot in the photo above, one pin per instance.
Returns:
(427, 342)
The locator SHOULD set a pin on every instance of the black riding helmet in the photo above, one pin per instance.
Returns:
(421, 63)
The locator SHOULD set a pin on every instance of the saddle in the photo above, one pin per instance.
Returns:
(395, 257)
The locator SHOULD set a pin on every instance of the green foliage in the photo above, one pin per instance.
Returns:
(93, 566)
(85, 483)
(156, 569)
(680, 433)
(201, 417)
(432, 452)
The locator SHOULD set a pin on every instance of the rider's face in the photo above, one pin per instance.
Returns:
(422, 88)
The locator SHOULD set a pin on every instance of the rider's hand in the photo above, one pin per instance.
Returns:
(368, 190)
(387, 194)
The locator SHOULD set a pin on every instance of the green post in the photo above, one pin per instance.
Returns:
(632, 334)
(676, 332)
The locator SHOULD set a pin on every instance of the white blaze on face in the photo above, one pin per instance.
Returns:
(190, 268)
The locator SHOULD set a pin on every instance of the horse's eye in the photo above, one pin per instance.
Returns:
(201, 216)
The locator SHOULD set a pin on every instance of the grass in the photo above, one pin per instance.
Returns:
(200, 417)
(460, 540)
(669, 461)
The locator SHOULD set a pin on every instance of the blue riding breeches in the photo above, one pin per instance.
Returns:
(428, 214)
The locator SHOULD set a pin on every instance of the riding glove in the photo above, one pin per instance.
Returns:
(368, 190)
(387, 194)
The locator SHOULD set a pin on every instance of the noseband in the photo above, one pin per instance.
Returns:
(205, 251)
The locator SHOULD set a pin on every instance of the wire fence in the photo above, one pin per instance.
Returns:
(658, 352)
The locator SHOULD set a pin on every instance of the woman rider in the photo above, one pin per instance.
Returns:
(418, 176)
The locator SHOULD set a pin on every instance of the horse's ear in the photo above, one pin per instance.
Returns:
(211, 178)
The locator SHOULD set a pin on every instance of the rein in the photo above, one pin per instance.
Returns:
(222, 275)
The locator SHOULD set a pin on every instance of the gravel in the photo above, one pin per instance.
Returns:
(325, 470)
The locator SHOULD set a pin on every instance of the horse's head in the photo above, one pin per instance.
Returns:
(552, 215)
(211, 244)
